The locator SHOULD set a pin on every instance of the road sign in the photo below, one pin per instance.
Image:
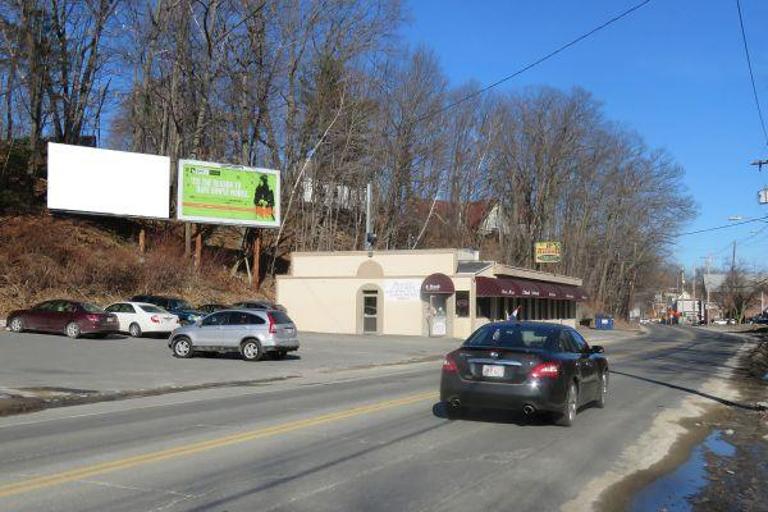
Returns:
(762, 196)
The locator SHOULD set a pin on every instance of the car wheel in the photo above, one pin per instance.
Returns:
(602, 393)
(454, 412)
(568, 415)
(16, 324)
(251, 350)
(134, 330)
(73, 330)
(182, 347)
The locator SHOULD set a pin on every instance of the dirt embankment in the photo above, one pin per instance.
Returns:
(43, 257)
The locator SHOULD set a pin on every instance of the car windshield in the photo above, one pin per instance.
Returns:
(152, 309)
(512, 336)
(91, 308)
(182, 304)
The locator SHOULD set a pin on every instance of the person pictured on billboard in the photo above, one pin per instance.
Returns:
(264, 196)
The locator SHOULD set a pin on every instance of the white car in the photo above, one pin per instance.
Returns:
(137, 318)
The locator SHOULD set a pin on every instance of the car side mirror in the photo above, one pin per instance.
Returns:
(597, 349)
(199, 322)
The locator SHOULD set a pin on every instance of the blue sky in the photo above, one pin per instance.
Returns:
(674, 71)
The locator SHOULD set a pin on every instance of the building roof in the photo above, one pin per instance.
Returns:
(472, 267)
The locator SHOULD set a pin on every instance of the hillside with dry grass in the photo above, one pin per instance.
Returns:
(43, 257)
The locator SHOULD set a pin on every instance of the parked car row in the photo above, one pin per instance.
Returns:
(252, 328)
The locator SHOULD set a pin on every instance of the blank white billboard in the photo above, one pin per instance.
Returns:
(108, 182)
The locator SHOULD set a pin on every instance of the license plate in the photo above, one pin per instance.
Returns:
(493, 370)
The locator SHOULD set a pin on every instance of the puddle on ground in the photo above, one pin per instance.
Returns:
(671, 492)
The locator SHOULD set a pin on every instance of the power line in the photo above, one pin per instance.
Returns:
(725, 226)
(751, 73)
(534, 63)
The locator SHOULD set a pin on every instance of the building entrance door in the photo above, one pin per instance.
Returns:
(438, 319)
(370, 312)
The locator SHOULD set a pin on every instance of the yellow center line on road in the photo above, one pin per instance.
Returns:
(202, 446)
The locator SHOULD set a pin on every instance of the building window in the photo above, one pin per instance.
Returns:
(484, 307)
(462, 304)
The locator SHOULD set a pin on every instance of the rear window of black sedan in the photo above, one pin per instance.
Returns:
(514, 336)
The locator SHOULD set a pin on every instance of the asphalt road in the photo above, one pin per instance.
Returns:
(370, 443)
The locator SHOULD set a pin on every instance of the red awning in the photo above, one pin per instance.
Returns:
(437, 284)
(581, 294)
(508, 288)
(549, 291)
(528, 288)
(487, 287)
(523, 288)
(573, 293)
(568, 292)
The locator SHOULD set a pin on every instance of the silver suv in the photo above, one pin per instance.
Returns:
(252, 333)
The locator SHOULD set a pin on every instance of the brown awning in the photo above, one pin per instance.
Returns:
(437, 284)
(568, 292)
(523, 288)
(487, 287)
(549, 291)
(496, 287)
(573, 293)
(528, 288)
(508, 288)
(581, 294)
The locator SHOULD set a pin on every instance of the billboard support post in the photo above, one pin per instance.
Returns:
(256, 260)
(142, 241)
(187, 239)
(198, 249)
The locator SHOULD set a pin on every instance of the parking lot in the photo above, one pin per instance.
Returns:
(120, 363)
(46, 364)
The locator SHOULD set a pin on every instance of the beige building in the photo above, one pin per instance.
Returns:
(436, 292)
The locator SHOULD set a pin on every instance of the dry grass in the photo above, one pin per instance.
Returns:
(42, 257)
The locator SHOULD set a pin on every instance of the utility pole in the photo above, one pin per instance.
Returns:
(733, 258)
(693, 290)
(370, 237)
(707, 286)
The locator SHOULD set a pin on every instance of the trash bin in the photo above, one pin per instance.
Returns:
(604, 322)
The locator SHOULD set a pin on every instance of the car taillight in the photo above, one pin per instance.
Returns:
(449, 364)
(545, 370)
(93, 318)
(272, 324)
(154, 319)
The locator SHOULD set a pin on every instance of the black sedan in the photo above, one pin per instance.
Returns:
(527, 366)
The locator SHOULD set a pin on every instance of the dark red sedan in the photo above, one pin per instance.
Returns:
(64, 316)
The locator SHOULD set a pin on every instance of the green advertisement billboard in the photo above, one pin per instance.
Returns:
(228, 194)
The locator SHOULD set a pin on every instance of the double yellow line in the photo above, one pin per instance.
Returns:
(202, 446)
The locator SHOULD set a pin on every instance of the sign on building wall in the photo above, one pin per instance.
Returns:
(228, 194)
(402, 290)
(547, 252)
